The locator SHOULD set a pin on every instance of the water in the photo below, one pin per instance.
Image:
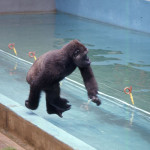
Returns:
(119, 57)
(112, 125)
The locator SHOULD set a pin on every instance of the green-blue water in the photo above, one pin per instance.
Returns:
(119, 57)
(112, 125)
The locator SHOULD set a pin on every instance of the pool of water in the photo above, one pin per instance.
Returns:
(119, 57)
(113, 125)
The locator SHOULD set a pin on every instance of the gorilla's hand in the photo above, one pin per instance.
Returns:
(96, 100)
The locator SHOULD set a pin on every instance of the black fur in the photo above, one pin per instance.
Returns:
(50, 68)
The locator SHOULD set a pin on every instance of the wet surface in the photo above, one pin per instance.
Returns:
(113, 125)
(120, 57)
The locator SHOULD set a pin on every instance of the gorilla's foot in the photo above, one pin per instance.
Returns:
(53, 109)
(64, 101)
(30, 106)
(62, 104)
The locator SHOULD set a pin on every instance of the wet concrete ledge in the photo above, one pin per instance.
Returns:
(35, 130)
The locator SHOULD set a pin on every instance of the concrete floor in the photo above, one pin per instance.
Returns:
(6, 142)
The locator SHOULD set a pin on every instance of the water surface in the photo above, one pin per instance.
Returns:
(120, 57)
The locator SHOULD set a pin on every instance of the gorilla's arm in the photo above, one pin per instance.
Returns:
(90, 84)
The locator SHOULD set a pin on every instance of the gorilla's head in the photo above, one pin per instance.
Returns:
(79, 54)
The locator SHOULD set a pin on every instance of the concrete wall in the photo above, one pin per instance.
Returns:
(17, 6)
(133, 14)
(26, 131)
(34, 130)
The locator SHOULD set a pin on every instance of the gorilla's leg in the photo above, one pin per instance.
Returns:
(55, 104)
(90, 84)
(34, 96)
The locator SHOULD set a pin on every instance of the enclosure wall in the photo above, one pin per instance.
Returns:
(15, 6)
(133, 14)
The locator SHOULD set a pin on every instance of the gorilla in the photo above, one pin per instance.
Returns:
(52, 67)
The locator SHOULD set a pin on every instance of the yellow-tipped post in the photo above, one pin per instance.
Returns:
(131, 97)
(15, 51)
(35, 58)
(129, 89)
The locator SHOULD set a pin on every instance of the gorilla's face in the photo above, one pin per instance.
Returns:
(80, 56)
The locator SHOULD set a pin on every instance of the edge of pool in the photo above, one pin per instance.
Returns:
(20, 121)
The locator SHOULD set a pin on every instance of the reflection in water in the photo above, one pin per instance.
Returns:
(13, 70)
(85, 106)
